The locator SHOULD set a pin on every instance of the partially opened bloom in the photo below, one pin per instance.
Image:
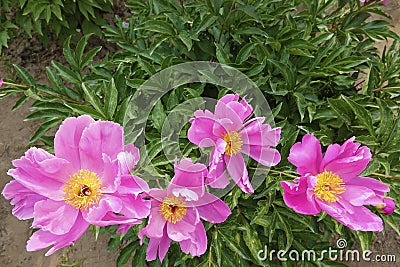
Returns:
(1, 82)
(331, 183)
(176, 212)
(388, 206)
(86, 182)
(230, 133)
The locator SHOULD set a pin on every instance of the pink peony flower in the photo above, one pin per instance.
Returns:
(388, 206)
(231, 134)
(176, 212)
(87, 182)
(331, 183)
(1, 82)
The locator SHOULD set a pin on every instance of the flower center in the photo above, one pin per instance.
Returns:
(233, 143)
(83, 189)
(173, 209)
(329, 186)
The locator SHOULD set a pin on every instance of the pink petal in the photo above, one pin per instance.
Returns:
(237, 169)
(100, 137)
(42, 173)
(113, 219)
(160, 245)
(128, 158)
(107, 203)
(264, 155)
(306, 155)
(131, 184)
(347, 161)
(299, 197)
(158, 194)
(188, 176)
(182, 229)
(257, 133)
(109, 174)
(379, 188)
(156, 222)
(135, 206)
(217, 175)
(56, 217)
(242, 109)
(228, 98)
(356, 218)
(42, 239)
(389, 206)
(197, 244)
(23, 199)
(67, 138)
(358, 195)
(230, 120)
(201, 130)
(212, 209)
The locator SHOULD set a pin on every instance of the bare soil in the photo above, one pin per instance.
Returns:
(14, 136)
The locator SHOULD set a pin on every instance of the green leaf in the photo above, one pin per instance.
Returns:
(94, 100)
(110, 99)
(287, 72)
(81, 109)
(222, 55)
(80, 47)
(185, 38)
(234, 246)
(160, 27)
(158, 115)
(301, 104)
(20, 102)
(122, 111)
(364, 238)
(47, 113)
(205, 23)
(244, 53)
(139, 260)
(288, 231)
(68, 54)
(342, 109)
(44, 127)
(252, 241)
(25, 75)
(126, 253)
(66, 73)
(362, 114)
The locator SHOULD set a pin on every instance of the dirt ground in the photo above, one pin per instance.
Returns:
(14, 134)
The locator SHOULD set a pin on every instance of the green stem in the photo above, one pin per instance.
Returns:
(15, 84)
(278, 172)
(386, 176)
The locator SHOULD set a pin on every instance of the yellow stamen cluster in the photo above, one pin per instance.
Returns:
(173, 209)
(233, 143)
(329, 186)
(83, 190)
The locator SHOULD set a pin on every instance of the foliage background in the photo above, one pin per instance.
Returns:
(320, 55)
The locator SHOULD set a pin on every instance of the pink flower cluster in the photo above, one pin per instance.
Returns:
(88, 181)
